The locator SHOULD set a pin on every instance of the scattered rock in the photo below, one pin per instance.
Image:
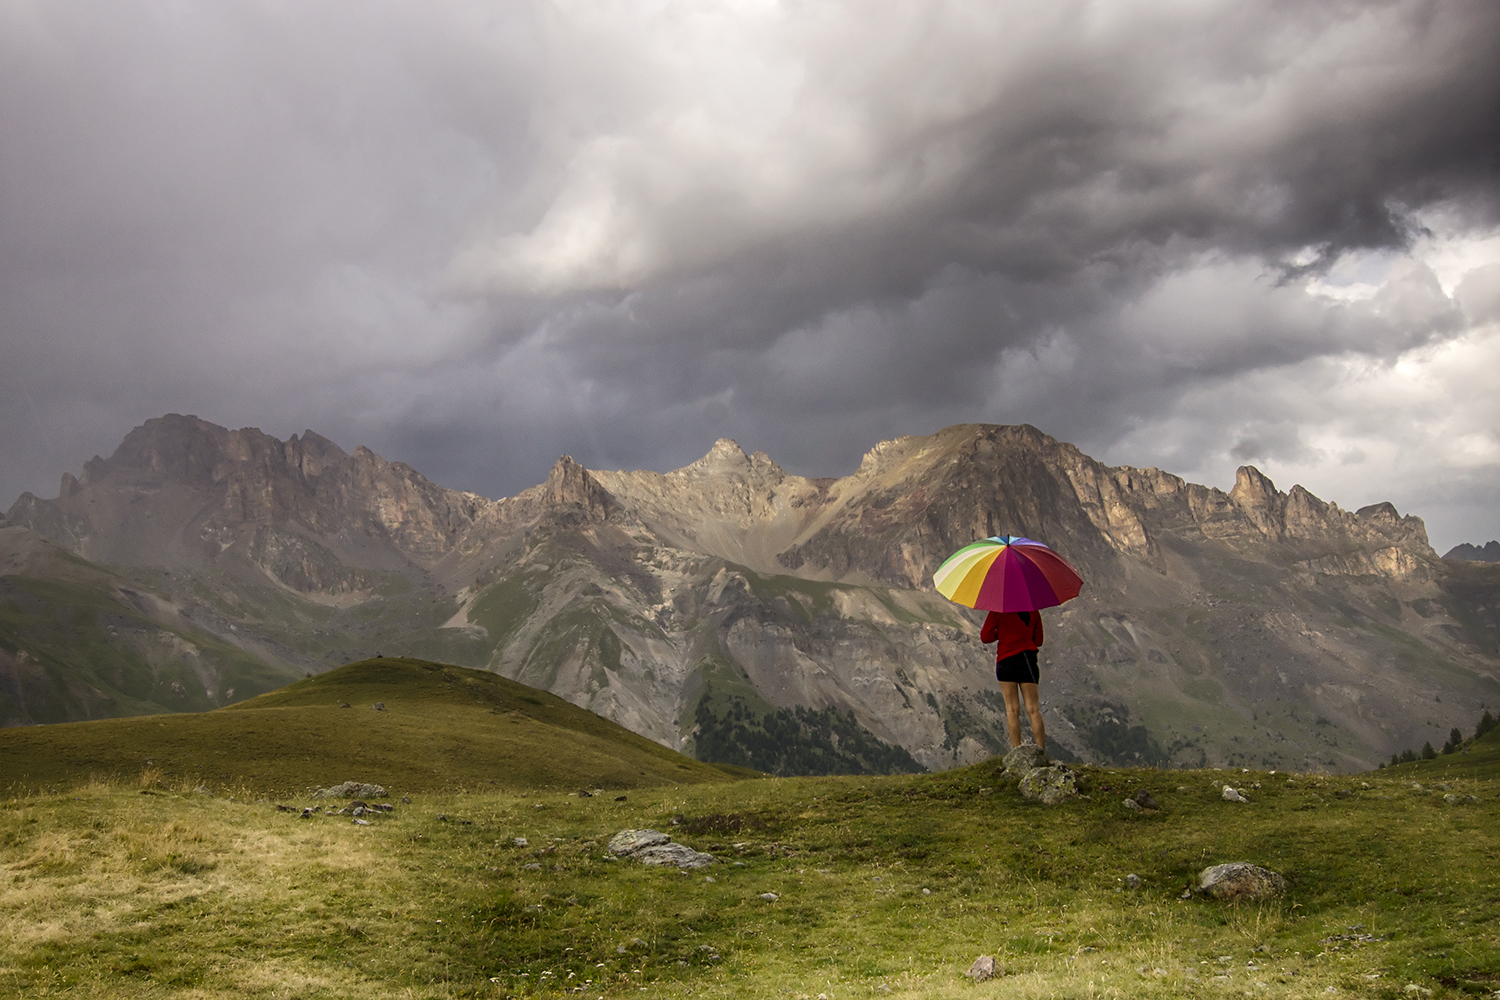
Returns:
(1023, 759)
(1144, 800)
(1234, 794)
(769, 897)
(1050, 785)
(307, 813)
(1132, 805)
(1132, 881)
(361, 822)
(379, 706)
(343, 704)
(620, 798)
(533, 867)
(982, 969)
(350, 790)
(1240, 880)
(520, 841)
(285, 809)
(1451, 799)
(406, 800)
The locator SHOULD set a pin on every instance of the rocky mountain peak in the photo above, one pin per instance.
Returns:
(571, 486)
(1466, 552)
(726, 456)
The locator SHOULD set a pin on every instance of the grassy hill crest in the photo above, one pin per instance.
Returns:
(441, 728)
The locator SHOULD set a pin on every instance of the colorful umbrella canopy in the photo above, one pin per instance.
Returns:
(1007, 573)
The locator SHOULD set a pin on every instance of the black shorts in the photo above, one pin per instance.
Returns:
(1019, 669)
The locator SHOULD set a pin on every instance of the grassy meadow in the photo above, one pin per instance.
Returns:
(885, 887)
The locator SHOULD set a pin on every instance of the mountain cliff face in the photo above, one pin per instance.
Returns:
(1252, 626)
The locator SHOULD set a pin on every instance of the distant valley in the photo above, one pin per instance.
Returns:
(732, 609)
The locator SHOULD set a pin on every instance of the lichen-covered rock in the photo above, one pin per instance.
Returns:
(982, 969)
(1234, 794)
(672, 853)
(1050, 785)
(1023, 759)
(350, 790)
(652, 847)
(630, 841)
(1240, 880)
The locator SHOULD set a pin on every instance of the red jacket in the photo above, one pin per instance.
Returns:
(1014, 635)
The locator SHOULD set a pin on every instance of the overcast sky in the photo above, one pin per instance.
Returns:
(476, 235)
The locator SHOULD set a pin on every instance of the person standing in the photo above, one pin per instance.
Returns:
(1019, 638)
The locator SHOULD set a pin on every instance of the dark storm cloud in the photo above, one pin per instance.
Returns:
(474, 236)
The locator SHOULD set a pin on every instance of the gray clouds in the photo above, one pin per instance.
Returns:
(474, 236)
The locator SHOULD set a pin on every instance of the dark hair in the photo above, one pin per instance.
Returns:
(1025, 617)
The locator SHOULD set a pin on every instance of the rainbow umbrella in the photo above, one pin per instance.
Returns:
(1006, 573)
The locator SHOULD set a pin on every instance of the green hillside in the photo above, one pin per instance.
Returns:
(1477, 758)
(78, 641)
(442, 728)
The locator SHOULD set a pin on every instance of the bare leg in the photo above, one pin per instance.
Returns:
(1033, 711)
(1010, 691)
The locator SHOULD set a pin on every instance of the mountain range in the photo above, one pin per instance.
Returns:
(741, 613)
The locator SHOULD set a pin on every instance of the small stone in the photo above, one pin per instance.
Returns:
(406, 800)
(1132, 881)
(520, 842)
(1234, 794)
(360, 822)
(379, 706)
(982, 969)
(1144, 799)
(533, 867)
(769, 897)
(1132, 805)
(1451, 799)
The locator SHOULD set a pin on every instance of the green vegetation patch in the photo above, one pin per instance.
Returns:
(796, 741)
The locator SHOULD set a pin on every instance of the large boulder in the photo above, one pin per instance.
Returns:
(1240, 880)
(1050, 785)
